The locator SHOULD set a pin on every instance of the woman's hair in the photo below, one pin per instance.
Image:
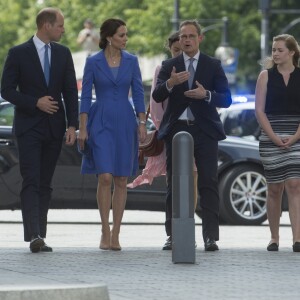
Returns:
(173, 37)
(291, 44)
(108, 29)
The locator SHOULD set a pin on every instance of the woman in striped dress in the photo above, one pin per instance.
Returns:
(277, 108)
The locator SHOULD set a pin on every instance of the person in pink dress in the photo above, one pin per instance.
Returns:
(156, 165)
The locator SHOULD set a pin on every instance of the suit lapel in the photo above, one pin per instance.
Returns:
(54, 63)
(201, 69)
(180, 67)
(36, 63)
(124, 66)
(103, 66)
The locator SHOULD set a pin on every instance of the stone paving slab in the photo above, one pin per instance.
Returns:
(242, 269)
(63, 292)
(148, 273)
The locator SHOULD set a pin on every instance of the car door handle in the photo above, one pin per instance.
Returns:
(5, 142)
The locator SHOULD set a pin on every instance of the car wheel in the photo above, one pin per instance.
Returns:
(243, 195)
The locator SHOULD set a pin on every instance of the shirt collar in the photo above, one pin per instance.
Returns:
(39, 44)
(186, 57)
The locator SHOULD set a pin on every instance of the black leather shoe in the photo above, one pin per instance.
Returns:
(273, 247)
(46, 248)
(36, 244)
(168, 244)
(296, 247)
(210, 245)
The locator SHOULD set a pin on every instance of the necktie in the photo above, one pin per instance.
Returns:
(191, 70)
(46, 64)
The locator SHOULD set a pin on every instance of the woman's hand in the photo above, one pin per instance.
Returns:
(142, 132)
(82, 137)
(284, 142)
(289, 141)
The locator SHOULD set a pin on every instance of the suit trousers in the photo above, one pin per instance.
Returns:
(38, 155)
(206, 159)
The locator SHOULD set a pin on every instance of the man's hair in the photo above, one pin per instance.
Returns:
(47, 15)
(191, 22)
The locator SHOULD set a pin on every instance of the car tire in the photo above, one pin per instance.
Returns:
(243, 195)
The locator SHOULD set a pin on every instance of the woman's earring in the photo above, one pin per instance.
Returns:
(109, 43)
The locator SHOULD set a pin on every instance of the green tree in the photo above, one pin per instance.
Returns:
(12, 17)
(149, 23)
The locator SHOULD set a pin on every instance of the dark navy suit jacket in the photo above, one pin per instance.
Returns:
(23, 83)
(210, 74)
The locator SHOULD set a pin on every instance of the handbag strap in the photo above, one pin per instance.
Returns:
(148, 112)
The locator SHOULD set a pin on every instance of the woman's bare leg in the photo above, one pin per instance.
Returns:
(292, 187)
(274, 198)
(118, 205)
(104, 204)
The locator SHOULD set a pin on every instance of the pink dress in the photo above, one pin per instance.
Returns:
(156, 165)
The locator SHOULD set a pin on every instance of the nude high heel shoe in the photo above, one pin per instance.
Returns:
(105, 240)
(114, 243)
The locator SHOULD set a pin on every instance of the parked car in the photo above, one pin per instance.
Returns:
(242, 98)
(6, 113)
(239, 120)
(242, 183)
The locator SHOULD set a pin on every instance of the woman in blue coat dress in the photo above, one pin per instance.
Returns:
(109, 129)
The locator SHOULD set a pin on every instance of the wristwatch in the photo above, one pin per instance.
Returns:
(142, 122)
(207, 97)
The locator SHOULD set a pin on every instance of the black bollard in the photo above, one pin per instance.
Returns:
(183, 222)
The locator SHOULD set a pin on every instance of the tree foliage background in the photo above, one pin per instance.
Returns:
(149, 23)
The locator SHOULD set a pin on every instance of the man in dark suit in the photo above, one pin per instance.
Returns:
(195, 85)
(36, 75)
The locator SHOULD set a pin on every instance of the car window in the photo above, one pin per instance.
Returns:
(241, 123)
(6, 114)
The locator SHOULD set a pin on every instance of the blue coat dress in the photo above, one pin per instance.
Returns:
(112, 125)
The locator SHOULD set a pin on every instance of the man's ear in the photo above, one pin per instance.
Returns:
(47, 26)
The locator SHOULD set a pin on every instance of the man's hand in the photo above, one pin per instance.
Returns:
(197, 93)
(47, 105)
(177, 78)
(70, 136)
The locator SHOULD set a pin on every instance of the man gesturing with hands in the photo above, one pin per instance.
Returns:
(195, 85)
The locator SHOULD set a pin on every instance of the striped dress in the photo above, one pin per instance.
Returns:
(283, 112)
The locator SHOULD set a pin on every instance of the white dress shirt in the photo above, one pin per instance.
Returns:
(40, 47)
(186, 58)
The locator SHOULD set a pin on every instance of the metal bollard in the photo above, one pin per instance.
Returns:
(183, 222)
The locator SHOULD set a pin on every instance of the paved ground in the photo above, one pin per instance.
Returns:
(242, 269)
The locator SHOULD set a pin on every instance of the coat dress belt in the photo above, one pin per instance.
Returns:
(186, 122)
